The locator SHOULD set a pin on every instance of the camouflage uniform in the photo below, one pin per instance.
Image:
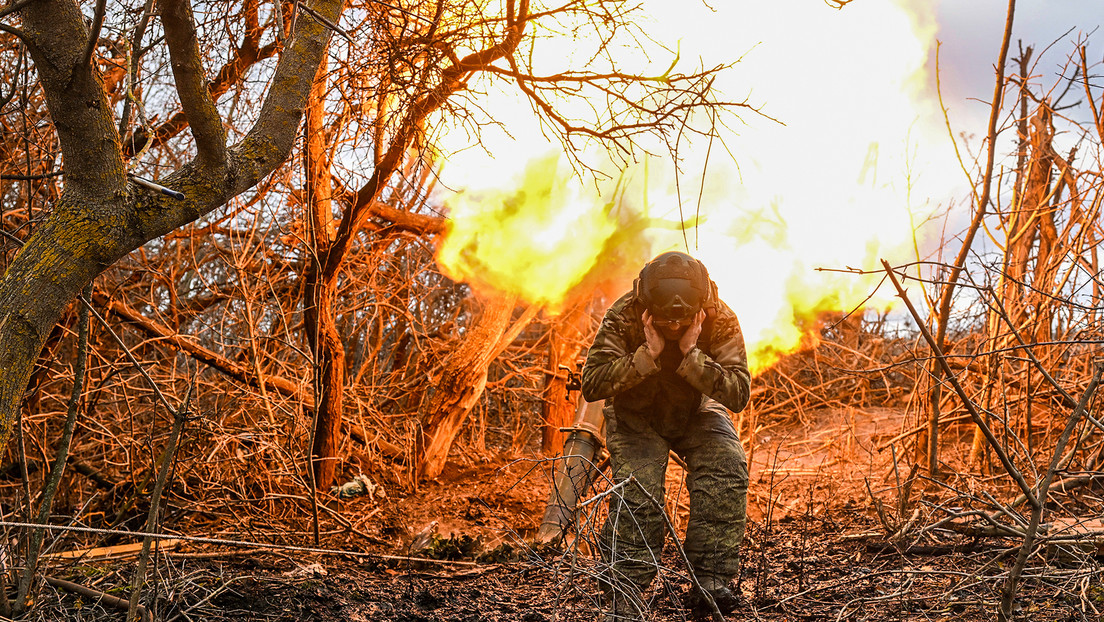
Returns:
(676, 403)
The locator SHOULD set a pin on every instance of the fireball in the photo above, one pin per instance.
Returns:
(850, 154)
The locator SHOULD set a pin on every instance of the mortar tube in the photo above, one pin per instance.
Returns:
(575, 472)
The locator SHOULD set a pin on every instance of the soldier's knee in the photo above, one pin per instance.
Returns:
(740, 469)
(734, 462)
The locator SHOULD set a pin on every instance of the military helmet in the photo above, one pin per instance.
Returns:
(674, 286)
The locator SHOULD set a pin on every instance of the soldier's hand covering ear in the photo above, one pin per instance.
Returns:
(653, 339)
(690, 337)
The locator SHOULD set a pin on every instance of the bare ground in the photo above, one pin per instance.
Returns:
(816, 550)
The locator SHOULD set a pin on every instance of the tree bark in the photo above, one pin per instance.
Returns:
(565, 341)
(100, 217)
(1030, 227)
(333, 245)
(320, 319)
(461, 381)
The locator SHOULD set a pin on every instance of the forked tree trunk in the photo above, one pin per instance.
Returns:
(1030, 226)
(319, 316)
(100, 216)
(1032, 240)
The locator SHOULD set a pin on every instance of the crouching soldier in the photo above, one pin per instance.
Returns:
(669, 358)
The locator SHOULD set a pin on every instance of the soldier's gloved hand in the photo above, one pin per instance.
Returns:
(689, 339)
(652, 338)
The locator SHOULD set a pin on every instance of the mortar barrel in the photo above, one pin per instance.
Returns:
(575, 472)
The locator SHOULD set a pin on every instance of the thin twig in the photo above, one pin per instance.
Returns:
(404, 11)
(31, 177)
(937, 352)
(237, 543)
(130, 355)
(1009, 593)
(717, 615)
(134, 58)
(325, 22)
(179, 417)
(98, 596)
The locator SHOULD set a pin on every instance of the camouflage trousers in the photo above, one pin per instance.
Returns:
(717, 482)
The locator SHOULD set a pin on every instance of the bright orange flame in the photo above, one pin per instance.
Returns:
(841, 184)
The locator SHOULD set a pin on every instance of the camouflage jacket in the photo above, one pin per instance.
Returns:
(670, 390)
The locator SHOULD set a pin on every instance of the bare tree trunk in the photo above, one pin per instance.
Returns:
(930, 441)
(1018, 226)
(461, 380)
(564, 344)
(1032, 238)
(1028, 220)
(319, 316)
(329, 360)
(101, 215)
(1008, 287)
(1049, 254)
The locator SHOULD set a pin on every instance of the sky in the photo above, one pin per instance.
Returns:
(971, 31)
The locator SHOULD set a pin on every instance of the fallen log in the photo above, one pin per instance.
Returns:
(109, 552)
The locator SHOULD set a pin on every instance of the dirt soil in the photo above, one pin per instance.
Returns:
(815, 550)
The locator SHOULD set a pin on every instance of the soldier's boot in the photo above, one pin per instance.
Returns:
(622, 603)
(719, 590)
